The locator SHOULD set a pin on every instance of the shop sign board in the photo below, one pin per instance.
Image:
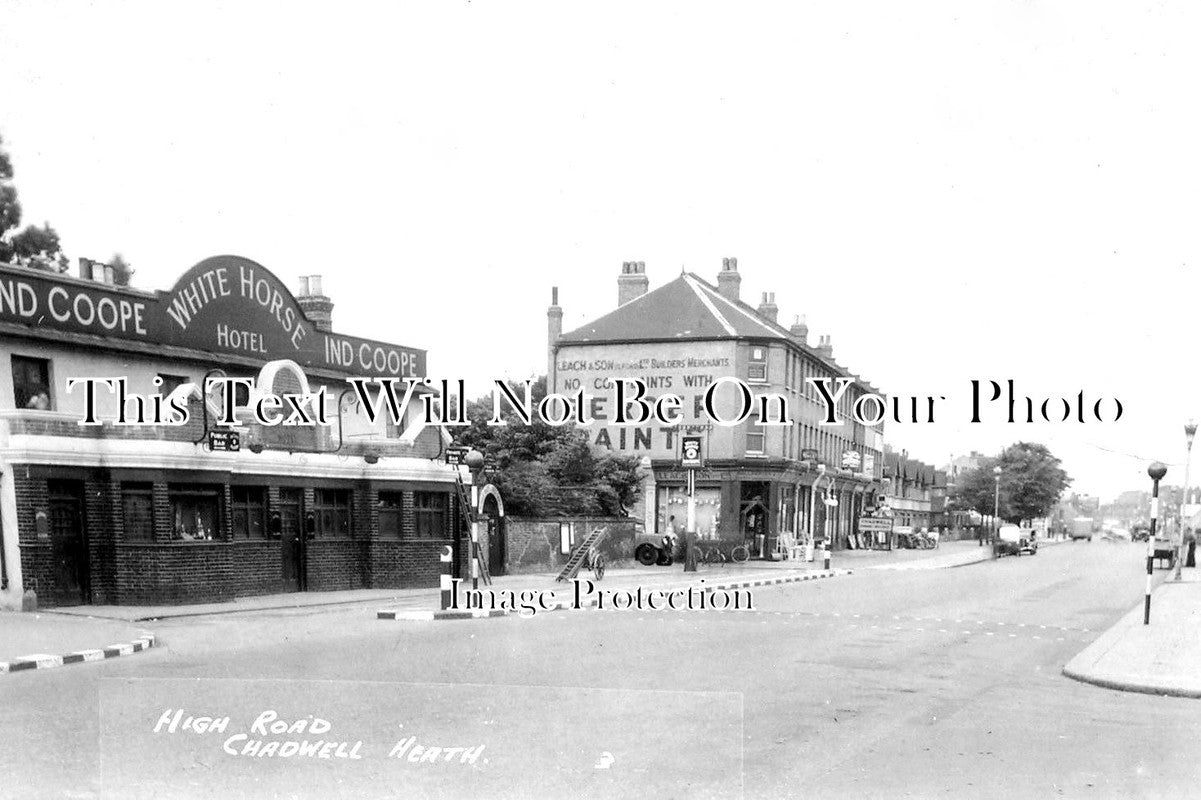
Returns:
(225, 304)
(690, 452)
(875, 524)
(851, 460)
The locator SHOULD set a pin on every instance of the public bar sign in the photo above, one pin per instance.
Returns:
(224, 304)
(229, 441)
(690, 452)
(875, 524)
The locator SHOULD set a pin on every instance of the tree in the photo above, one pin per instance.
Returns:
(1031, 482)
(34, 247)
(545, 470)
(122, 272)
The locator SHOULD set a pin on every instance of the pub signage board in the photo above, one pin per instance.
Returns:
(229, 441)
(224, 304)
(690, 452)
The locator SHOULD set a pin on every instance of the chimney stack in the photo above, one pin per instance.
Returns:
(728, 280)
(554, 329)
(768, 308)
(799, 330)
(824, 348)
(632, 282)
(313, 302)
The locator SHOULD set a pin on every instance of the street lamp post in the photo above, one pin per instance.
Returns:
(1190, 431)
(1156, 471)
(996, 502)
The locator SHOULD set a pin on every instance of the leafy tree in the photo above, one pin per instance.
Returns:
(545, 470)
(33, 247)
(122, 272)
(1031, 482)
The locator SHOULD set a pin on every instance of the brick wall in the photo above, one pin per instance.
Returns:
(532, 545)
(169, 571)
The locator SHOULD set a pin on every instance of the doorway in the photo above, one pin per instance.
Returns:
(291, 538)
(69, 547)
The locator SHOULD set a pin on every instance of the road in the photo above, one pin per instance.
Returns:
(881, 684)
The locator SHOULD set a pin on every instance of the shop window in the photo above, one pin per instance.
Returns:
(137, 504)
(31, 383)
(332, 509)
(429, 514)
(672, 501)
(195, 513)
(757, 369)
(249, 507)
(389, 515)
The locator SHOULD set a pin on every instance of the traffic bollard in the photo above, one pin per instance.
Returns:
(445, 580)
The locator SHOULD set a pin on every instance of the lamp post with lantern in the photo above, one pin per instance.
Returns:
(996, 501)
(1190, 431)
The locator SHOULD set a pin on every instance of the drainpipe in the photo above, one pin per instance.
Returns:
(3, 556)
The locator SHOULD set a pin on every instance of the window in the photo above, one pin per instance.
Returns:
(389, 515)
(249, 507)
(754, 436)
(138, 506)
(332, 509)
(171, 383)
(757, 369)
(195, 513)
(31, 383)
(429, 514)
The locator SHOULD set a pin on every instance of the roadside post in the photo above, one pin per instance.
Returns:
(474, 462)
(1156, 471)
(444, 581)
(691, 460)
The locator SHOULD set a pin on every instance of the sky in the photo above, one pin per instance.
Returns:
(950, 191)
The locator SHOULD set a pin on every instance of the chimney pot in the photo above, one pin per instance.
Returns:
(729, 281)
(632, 283)
(313, 302)
(768, 308)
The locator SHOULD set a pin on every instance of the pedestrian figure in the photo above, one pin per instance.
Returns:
(1190, 539)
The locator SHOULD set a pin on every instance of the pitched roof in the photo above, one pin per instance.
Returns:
(685, 308)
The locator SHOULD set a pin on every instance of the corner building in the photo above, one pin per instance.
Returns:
(769, 486)
(149, 514)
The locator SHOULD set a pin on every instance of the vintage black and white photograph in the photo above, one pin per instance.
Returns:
(532, 399)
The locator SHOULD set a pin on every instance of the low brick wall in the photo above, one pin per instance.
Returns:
(533, 545)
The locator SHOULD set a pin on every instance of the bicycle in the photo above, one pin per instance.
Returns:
(596, 563)
(740, 554)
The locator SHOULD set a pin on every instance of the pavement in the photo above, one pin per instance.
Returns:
(40, 640)
(1159, 658)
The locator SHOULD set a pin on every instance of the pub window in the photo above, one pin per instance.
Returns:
(757, 369)
(332, 509)
(389, 515)
(170, 383)
(195, 512)
(31, 383)
(249, 507)
(429, 514)
(138, 512)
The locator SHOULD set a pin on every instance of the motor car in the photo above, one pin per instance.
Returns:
(1140, 533)
(1012, 540)
(654, 548)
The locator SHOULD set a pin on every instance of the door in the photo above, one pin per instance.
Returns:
(496, 545)
(68, 544)
(291, 537)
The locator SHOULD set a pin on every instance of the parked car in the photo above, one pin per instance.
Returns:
(1141, 532)
(655, 548)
